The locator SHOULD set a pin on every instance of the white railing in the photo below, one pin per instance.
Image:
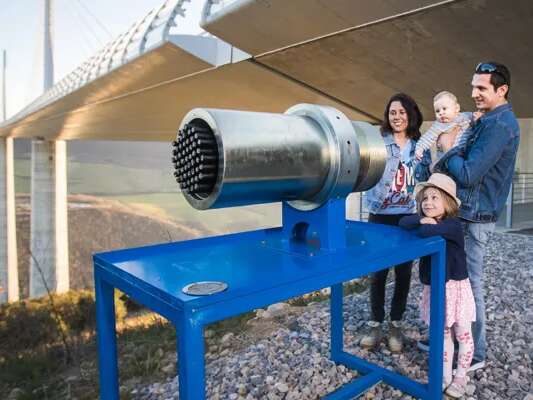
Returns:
(523, 188)
(211, 7)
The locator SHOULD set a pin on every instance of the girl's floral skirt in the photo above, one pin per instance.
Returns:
(460, 304)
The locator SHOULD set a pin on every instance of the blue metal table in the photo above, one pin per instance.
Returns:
(261, 268)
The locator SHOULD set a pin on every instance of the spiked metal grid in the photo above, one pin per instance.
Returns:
(195, 159)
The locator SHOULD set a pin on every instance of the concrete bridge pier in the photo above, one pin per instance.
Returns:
(9, 281)
(49, 270)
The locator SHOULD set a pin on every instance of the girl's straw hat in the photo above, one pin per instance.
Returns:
(442, 182)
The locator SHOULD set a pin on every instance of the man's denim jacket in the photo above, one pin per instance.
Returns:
(483, 170)
(375, 196)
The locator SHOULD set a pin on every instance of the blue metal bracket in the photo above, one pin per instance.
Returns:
(312, 250)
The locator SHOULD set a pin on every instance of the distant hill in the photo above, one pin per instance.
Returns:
(96, 225)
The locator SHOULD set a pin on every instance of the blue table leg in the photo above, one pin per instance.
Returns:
(107, 340)
(191, 363)
(436, 326)
(337, 321)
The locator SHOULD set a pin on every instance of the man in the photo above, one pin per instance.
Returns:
(483, 171)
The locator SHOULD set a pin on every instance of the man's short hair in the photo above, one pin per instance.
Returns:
(499, 74)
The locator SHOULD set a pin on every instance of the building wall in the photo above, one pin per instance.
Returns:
(524, 162)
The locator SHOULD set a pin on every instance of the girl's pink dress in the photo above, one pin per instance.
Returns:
(460, 304)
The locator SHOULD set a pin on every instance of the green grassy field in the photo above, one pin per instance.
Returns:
(173, 206)
(104, 179)
(156, 192)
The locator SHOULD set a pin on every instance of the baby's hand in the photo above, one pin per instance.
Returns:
(418, 154)
(428, 220)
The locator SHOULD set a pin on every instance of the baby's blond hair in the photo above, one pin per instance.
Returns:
(445, 93)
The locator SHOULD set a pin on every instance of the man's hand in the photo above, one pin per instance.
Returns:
(447, 140)
(428, 220)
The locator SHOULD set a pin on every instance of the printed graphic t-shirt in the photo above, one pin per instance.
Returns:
(401, 198)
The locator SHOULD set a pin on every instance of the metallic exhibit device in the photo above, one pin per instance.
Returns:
(225, 158)
(310, 159)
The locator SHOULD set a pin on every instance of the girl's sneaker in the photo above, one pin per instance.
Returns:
(457, 388)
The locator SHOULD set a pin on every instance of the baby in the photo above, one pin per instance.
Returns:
(449, 120)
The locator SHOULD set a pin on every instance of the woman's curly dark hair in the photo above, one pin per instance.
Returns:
(414, 116)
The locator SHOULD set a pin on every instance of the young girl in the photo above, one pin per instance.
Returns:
(438, 207)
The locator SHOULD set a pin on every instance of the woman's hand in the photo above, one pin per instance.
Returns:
(428, 220)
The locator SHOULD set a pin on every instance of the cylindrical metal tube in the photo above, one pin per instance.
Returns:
(305, 156)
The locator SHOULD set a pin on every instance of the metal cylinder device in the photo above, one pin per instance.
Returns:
(226, 158)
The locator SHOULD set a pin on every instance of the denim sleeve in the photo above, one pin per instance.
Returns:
(483, 154)
(422, 171)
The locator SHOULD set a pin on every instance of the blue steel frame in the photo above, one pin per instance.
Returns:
(312, 250)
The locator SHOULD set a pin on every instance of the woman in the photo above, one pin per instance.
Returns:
(390, 200)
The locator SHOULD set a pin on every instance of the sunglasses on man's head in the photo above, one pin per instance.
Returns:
(488, 68)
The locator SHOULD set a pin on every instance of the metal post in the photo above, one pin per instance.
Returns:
(509, 208)
(107, 340)
(337, 321)
(436, 326)
(191, 363)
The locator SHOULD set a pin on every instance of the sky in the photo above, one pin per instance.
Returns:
(81, 28)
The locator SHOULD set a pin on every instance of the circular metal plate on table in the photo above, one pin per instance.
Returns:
(204, 288)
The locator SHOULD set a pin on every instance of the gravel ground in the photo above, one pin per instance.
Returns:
(291, 360)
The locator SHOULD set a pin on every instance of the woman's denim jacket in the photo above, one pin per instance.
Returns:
(484, 169)
(374, 197)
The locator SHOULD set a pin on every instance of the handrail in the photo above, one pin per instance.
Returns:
(523, 187)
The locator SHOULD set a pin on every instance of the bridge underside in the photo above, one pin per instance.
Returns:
(147, 98)
(349, 54)
(374, 49)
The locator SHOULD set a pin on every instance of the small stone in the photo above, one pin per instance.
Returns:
(470, 389)
(281, 387)
(277, 310)
(226, 339)
(168, 369)
(15, 394)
